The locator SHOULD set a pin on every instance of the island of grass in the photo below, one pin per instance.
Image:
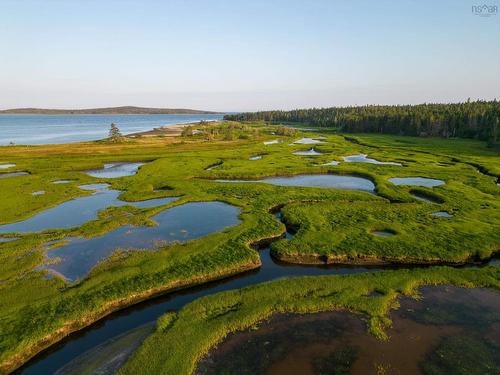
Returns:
(182, 339)
(37, 308)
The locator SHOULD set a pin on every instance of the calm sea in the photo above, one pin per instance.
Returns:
(46, 129)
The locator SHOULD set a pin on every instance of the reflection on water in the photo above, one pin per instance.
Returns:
(318, 180)
(416, 181)
(181, 223)
(115, 170)
(362, 158)
(77, 211)
(6, 166)
(384, 233)
(13, 174)
(308, 141)
(310, 152)
(450, 331)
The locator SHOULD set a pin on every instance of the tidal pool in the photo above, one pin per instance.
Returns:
(416, 181)
(256, 157)
(318, 180)
(13, 174)
(362, 158)
(425, 197)
(333, 162)
(384, 233)
(6, 166)
(449, 331)
(180, 223)
(310, 152)
(115, 170)
(78, 211)
(308, 141)
(442, 214)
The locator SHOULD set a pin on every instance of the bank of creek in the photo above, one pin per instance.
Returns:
(132, 324)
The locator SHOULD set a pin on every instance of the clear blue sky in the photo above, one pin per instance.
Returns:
(245, 55)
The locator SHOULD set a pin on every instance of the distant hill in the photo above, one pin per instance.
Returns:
(107, 111)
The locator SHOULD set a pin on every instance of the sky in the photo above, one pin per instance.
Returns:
(245, 55)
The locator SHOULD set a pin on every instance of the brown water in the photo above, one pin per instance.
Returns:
(450, 331)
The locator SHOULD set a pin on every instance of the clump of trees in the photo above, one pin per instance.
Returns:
(471, 119)
(187, 131)
(284, 130)
(115, 135)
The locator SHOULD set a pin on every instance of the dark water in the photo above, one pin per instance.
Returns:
(45, 129)
(115, 170)
(384, 233)
(63, 215)
(318, 180)
(175, 224)
(450, 331)
(416, 181)
(362, 158)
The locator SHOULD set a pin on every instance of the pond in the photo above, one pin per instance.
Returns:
(58, 182)
(327, 181)
(115, 170)
(362, 158)
(308, 141)
(333, 162)
(80, 255)
(13, 174)
(6, 166)
(78, 211)
(273, 142)
(416, 181)
(39, 192)
(256, 157)
(450, 331)
(442, 214)
(310, 152)
(384, 233)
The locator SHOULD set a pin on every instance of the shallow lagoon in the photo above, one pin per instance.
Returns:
(450, 331)
(78, 211)
(115, 170)
(327, 181)
(80, 255)
(416, 181)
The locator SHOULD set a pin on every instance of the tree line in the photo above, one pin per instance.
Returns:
(471, 119)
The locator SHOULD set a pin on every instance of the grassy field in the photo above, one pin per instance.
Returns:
(181, 339)
(36, 310)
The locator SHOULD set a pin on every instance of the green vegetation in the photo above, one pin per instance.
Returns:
(478, 119)
(207, 321)
(36, 310)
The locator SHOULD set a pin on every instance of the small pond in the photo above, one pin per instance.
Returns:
(383, 233)
(6, 239)
(180, 223)
(39, 192)
(13, 174)
(256, 157)
(78, 211)
(58, 182)
(449, 331)
(115, 170)
(308, 141)
(442, 214)
(318, 180)
(362, 158)
(310, 152)
(273, 142)
(425, 197)
(416, 181)
(333, 162)
(6, 166)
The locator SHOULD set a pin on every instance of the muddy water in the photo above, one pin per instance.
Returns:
(450, 331)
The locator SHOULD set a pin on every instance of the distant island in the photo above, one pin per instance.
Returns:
(125, 110)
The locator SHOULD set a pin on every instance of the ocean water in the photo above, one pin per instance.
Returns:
(48, 129)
